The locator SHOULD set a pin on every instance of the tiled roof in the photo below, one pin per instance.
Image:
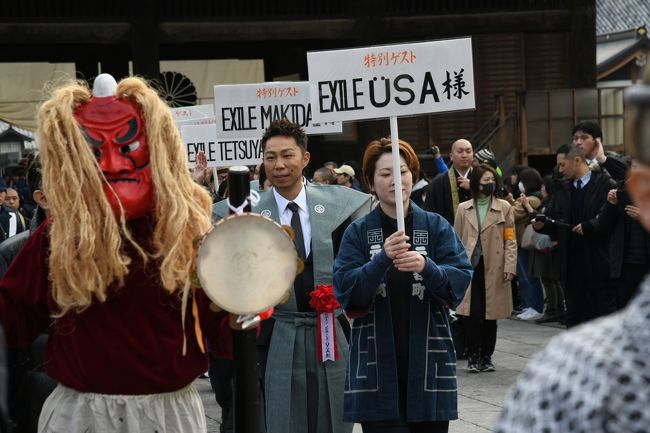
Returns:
(619, 15)
(33, 139)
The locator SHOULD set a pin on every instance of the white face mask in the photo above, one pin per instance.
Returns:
(520, 185)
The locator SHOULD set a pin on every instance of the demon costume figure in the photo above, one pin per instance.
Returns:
(109, 271)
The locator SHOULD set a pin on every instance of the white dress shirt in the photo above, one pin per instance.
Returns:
(584, 180)
(285, 214)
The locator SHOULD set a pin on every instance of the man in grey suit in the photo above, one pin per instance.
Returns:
(302, 394)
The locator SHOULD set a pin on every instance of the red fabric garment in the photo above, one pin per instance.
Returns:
(130, 344)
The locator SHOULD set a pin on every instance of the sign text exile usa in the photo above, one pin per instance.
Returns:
(391, 80)
(404, 89)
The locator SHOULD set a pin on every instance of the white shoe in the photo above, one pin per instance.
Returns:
(533, 315)
(524, 313)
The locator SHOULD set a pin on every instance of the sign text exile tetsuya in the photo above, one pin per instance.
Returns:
(391, 80)
(248, 109)
(220, 152)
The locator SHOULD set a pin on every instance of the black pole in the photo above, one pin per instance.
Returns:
(246, 407)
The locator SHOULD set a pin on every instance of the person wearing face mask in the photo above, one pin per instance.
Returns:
(486, 226)
(524, 208)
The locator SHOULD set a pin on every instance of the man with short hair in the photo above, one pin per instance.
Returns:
(302, 393)
(324, 176)
(588, 135)
(11, 222)
(12, 200)
(448, 190)
(583, 253)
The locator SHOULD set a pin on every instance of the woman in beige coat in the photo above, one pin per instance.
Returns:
(486, 227)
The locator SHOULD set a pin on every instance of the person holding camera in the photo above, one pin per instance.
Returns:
(583, 253)
(629, 244)
(546, 264)
(524, 208)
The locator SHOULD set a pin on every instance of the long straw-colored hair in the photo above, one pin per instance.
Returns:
(87, 241)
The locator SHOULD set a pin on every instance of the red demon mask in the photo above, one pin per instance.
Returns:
(115, 131)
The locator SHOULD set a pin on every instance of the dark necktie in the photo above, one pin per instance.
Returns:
(298, 239)
(579, 184)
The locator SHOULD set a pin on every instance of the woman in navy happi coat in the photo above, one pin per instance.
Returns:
(398, 286)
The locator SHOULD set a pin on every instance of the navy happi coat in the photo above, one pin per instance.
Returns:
(371, 384)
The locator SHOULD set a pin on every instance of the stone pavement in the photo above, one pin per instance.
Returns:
(480, 395)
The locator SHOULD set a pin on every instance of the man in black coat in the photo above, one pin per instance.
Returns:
(10, 223)
(583, 250)
(629, 245)
(448, 190)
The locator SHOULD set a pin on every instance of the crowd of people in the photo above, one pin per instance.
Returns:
(564, 246)
(17, 205)
(480, 243)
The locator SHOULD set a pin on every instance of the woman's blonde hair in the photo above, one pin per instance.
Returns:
(87, 241)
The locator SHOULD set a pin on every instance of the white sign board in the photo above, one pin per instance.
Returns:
(220, 152)
(391, 80)
(194, 115)
(246, 110)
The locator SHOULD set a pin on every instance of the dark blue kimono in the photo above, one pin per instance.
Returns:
(360, 269)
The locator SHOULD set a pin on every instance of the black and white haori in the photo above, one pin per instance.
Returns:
(595, 378)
